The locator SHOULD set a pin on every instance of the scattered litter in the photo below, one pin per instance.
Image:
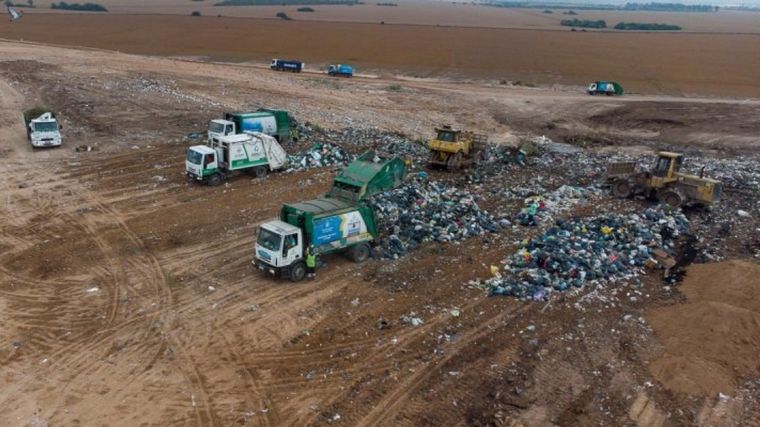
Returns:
(383, 323)
(411, 320)
(92, 290)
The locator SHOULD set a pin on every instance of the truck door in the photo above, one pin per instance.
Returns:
(209, 161)
(291, 249)
(229, 129)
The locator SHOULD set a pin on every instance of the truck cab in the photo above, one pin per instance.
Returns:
(279, 247)
(44, 131)
(201, 162)
(219, 127)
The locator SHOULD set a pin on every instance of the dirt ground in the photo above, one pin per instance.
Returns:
(128, 297)
(432, 12)
(675, 64)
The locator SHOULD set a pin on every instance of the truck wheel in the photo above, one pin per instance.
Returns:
(672, 199)
(360, 253)
(215, 180)
(622, 189)
(260, 171)
(297, 272)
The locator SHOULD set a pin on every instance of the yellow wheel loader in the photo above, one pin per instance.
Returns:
(664, 182)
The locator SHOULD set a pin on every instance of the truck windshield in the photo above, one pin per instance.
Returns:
(46, 127)
(269, 239)
(194, 157)
(215, 127)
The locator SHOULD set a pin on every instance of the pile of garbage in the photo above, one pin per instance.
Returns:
(579, 252)
(428, 211)
(544, 207)
(364, 138)
(319, 155)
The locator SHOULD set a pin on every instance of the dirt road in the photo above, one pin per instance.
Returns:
(127, 294)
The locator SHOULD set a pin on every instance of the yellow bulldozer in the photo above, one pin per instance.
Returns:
(664, 182)
(456, 149)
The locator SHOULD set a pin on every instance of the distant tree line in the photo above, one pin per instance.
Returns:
(89, 7)
(584, 23)
(283, 2)
(671, 7)
(646, 27)
(9, 3)
(653, 6)
(386, 4)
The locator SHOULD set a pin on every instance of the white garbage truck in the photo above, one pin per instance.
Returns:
(252, 152)
(42, 128)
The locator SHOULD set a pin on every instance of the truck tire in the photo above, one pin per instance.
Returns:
(622, 188)
(671, 198)
(359, 253)
(297, 272)
(260, 171)
(214, 180)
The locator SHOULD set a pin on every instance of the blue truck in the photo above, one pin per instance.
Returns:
(287, 65)
(340, 70)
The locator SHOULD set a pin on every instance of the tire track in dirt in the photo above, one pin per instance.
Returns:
(392, 404)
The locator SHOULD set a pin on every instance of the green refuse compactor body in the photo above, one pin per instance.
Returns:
(341, 221)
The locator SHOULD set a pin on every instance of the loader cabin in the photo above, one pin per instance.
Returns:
(447, 134)
(667, 164)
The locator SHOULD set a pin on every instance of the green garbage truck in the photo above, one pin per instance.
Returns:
(339, 222)
(604, 88)
(276, 123)
(252, 152)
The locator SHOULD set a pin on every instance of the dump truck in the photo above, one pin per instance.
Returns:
(276, 123)
(287, 65)
(340, 70)
(664, 182)
(342, 221)
(456, 149)
(42, 128)
(252, 152)
(604, 88)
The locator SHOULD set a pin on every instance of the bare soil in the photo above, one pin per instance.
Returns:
(433, 13)
(710, 341)
(679, 64)
(128, 297)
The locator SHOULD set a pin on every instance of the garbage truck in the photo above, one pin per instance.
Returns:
(341, 221)
(340, 70)
(276, 123)
(287, 65)
(604, 88)
(252, 152)
(42, 128)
